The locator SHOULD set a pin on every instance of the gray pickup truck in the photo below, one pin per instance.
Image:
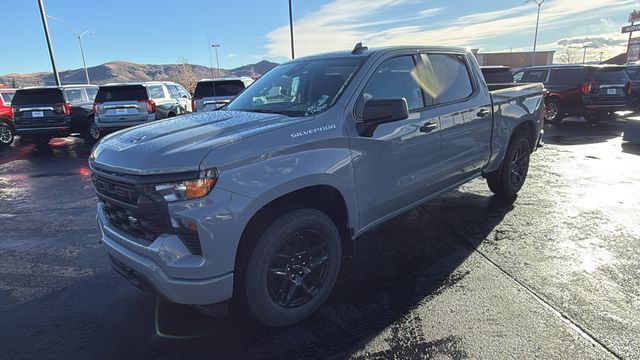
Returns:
(257, 204)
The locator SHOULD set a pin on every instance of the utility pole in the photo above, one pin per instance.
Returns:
(584, 54)
(216, 46)
(210, 59)
(535, 38)
(601, 53)
(79, 36)
(43, 15)
(293, 54)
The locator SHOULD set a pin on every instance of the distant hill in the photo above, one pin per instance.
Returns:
(122, 71)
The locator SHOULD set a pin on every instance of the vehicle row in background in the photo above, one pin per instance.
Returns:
(7, 129)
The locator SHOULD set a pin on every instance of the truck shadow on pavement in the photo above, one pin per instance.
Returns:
(398, 266)
(577, 131)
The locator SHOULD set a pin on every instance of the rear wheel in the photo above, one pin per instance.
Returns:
(6, 134)
(509, 179)
(293, 267)
(92, 132)
(553, 113)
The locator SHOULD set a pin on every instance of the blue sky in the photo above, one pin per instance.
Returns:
(162, 31)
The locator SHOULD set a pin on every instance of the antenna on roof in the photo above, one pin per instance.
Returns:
(358, 49)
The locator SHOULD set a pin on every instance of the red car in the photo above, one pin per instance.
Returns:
(6, 117)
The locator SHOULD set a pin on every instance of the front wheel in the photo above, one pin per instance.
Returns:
(553, 113)
(293, 267)
(509, 179)
(6, 134)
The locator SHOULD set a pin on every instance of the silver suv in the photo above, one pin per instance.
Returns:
(122, 105)
(214, 94)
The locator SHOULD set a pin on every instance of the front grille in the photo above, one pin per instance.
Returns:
(127, 193)
(145, 226)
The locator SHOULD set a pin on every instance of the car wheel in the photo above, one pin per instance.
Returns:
(6, 134)
(553, 113)
(92, 133)
(293, 267)
(509, 179)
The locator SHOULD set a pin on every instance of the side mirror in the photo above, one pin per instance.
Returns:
(380, 111)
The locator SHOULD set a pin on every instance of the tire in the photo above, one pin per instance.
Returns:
(7, 135)
(293, 267)
(92, 133)
(553, 112)
(509, 179)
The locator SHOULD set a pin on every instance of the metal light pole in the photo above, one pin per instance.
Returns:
(216, 46)
(584, 54)
(535, 38)
(79, 36)
(210, 59)
(293, 54)
(43, 15)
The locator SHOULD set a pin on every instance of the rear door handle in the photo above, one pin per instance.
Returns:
(483, 113)
(428, 127)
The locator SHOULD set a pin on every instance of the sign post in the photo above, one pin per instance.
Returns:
(633, 17)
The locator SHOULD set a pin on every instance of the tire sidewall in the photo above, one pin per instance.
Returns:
(516, 144)
(559, 115)
(88, 137)
(13, 135)
(256, 289)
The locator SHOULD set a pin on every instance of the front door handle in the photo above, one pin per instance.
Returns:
(483, 113)
(428, 127)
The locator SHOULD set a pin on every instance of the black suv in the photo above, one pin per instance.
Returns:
(633, 70)
(42, 113)
(592, 91)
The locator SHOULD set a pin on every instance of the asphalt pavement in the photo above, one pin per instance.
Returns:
(552, 275)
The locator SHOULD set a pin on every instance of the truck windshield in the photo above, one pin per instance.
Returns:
(302, 88)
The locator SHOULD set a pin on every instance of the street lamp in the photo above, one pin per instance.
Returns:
(293, 55)
(79, 36)
(216, 46)
(45, 26)
(535, 38)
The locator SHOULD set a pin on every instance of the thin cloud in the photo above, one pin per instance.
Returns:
(341, 23)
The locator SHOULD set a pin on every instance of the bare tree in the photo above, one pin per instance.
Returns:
(569, 57)
(185, 75)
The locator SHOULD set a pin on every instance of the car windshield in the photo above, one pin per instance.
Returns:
(302, 88)
(615, 75)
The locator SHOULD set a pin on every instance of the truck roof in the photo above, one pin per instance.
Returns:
(367, 52)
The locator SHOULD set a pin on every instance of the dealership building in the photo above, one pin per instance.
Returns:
(515, 60)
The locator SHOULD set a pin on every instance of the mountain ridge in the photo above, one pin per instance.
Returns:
(124, 71)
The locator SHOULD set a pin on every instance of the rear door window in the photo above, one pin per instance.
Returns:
(73, 96)
(222, 88)
(173, 90)
(448, 77)
(38, 97)
(121, 93)
(535, 76)
(155, 92)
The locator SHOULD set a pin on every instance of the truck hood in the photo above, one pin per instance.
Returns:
(179, 144)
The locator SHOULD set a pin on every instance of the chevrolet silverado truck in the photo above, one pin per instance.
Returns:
(255, 205)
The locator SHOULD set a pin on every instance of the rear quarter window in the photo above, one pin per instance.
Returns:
(38, 97)
(73, 95)
(121, 93)
(568, 76)
(6, 97)
(155, 92)
(609, 75)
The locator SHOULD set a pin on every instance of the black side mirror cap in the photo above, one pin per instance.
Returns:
(379, 111)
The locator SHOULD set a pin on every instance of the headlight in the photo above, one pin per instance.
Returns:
(188, 189)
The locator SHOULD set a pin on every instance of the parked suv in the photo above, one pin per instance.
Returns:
(214, 94)
(118, 106)
(633, 70)
(7, 130)
(46, 112)
(591, 91)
